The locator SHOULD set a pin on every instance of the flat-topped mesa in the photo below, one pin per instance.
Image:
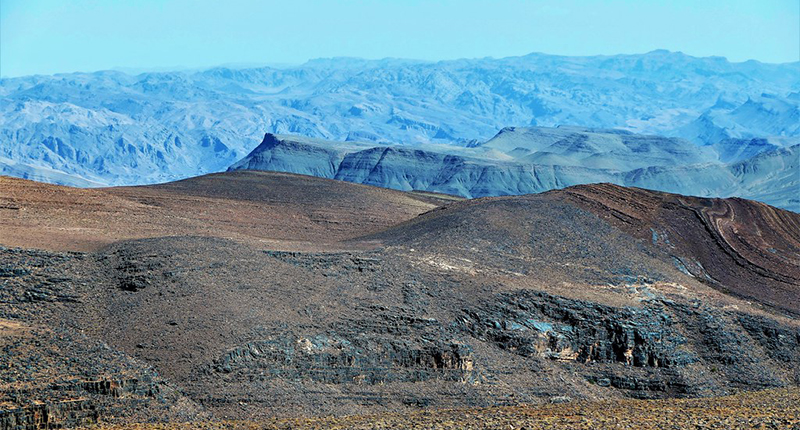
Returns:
(296, 154)
(524, 160)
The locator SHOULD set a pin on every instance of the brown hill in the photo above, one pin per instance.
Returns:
(741, 247)
(279, 208)
(593, 292)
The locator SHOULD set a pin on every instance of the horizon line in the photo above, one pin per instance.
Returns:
(248, 65)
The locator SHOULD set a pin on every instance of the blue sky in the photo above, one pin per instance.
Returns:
(50, 36)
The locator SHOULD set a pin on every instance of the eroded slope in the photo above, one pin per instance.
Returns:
(742, 247)
(588, 292)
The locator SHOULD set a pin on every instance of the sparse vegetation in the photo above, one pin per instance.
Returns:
(770, 409)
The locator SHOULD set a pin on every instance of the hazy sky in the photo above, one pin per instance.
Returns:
(50, 36)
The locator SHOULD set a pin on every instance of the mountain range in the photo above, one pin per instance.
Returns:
(532, 160)
(112, 128)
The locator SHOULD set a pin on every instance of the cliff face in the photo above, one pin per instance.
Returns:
(54, 375)
(292, 156)
(531, 160)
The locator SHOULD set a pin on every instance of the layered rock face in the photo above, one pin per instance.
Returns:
(367, 358)
(55, 376)
(531, 160)
(741, 247)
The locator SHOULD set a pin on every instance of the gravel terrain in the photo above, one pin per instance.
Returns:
(264, 297)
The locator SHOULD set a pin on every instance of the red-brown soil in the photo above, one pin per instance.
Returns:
(281, 209)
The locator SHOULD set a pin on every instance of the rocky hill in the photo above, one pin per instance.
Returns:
(251, 295)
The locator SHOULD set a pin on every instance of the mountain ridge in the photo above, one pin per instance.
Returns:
(504, 165)
(118, 129)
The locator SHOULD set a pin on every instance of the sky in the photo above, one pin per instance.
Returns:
(54, 36)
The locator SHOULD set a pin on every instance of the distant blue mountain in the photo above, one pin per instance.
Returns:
(536, 159)
(761, 116)
(114, 128)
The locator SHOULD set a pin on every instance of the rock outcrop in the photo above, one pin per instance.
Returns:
(531, 160)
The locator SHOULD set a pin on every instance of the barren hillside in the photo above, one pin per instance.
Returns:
(251, 296)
